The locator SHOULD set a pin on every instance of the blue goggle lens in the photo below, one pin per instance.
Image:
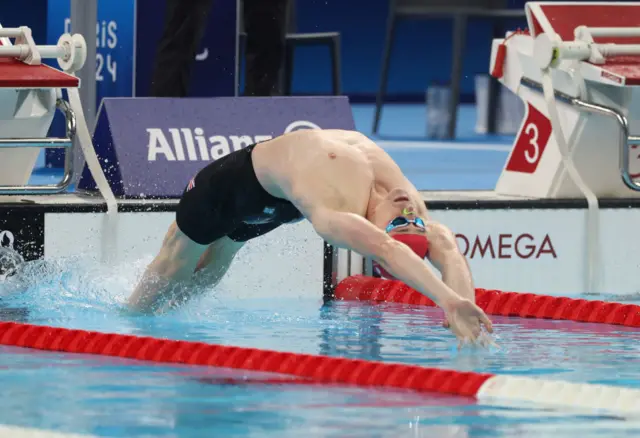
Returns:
(401, 221)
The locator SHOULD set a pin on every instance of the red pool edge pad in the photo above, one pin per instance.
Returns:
(494, 302)
(321, 369)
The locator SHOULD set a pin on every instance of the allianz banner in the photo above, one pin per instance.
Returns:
(152, 147)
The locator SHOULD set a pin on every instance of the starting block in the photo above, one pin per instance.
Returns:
(30, 93)
(29, 101)
(592, 51)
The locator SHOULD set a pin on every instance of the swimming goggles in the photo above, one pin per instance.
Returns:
(401, 222)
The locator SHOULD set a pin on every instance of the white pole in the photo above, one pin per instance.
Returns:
(22, 50)
(84, 16)
(9, 32)
(616, 32)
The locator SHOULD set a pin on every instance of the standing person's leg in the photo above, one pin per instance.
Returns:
(185, 23)
(266, 27)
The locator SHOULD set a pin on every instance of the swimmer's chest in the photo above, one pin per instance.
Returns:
(339, 180)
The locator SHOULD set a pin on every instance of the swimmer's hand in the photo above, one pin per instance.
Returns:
(465, 320)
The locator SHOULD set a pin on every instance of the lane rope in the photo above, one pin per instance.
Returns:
(494, 302)
(318, 368)
(324, 369)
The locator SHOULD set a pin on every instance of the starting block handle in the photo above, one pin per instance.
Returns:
(625, 139)
(9, 32)
(71, 50)
(21, 51)
(49, 143)
(549, 50)
(614, 32)
(66, 143)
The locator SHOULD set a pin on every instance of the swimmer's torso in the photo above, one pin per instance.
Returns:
(341, 170)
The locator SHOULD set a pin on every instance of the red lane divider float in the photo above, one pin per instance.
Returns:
(493, 302)
(322, 369)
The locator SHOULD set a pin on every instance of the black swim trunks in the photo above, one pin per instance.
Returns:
(226, 199)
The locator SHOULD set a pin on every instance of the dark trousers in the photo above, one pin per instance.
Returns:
(185, 23)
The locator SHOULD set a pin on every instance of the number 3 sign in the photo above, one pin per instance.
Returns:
(532, 140)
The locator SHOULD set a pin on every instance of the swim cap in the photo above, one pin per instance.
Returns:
(419, 244)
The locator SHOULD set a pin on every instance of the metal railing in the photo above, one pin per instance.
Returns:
(626, 140)
(46, 143)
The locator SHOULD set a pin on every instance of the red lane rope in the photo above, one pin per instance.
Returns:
(240, 381)
(322, 369)
(494, 302)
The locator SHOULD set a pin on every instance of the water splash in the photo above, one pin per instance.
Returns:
(77, 292)
(10, 262)
(65, 288)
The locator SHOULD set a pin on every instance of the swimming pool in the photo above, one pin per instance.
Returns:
(123, 398)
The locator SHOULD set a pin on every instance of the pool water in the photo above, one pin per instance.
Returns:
(124, 398)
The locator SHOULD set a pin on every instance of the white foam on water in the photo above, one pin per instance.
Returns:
(10, 262)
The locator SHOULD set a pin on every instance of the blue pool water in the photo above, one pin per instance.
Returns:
(123, 398)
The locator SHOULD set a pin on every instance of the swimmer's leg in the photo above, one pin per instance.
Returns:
(211, 268)
(174, 265)
(167, 281)
(216, 260)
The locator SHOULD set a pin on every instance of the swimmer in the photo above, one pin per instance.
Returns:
(355, 197)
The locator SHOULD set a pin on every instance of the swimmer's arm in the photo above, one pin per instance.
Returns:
(175, 262)
(351, 231)
(445, 255)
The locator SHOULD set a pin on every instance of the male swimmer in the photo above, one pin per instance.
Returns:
(351, 191)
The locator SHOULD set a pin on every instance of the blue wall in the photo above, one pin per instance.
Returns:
(31, 13)
(422, 51)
